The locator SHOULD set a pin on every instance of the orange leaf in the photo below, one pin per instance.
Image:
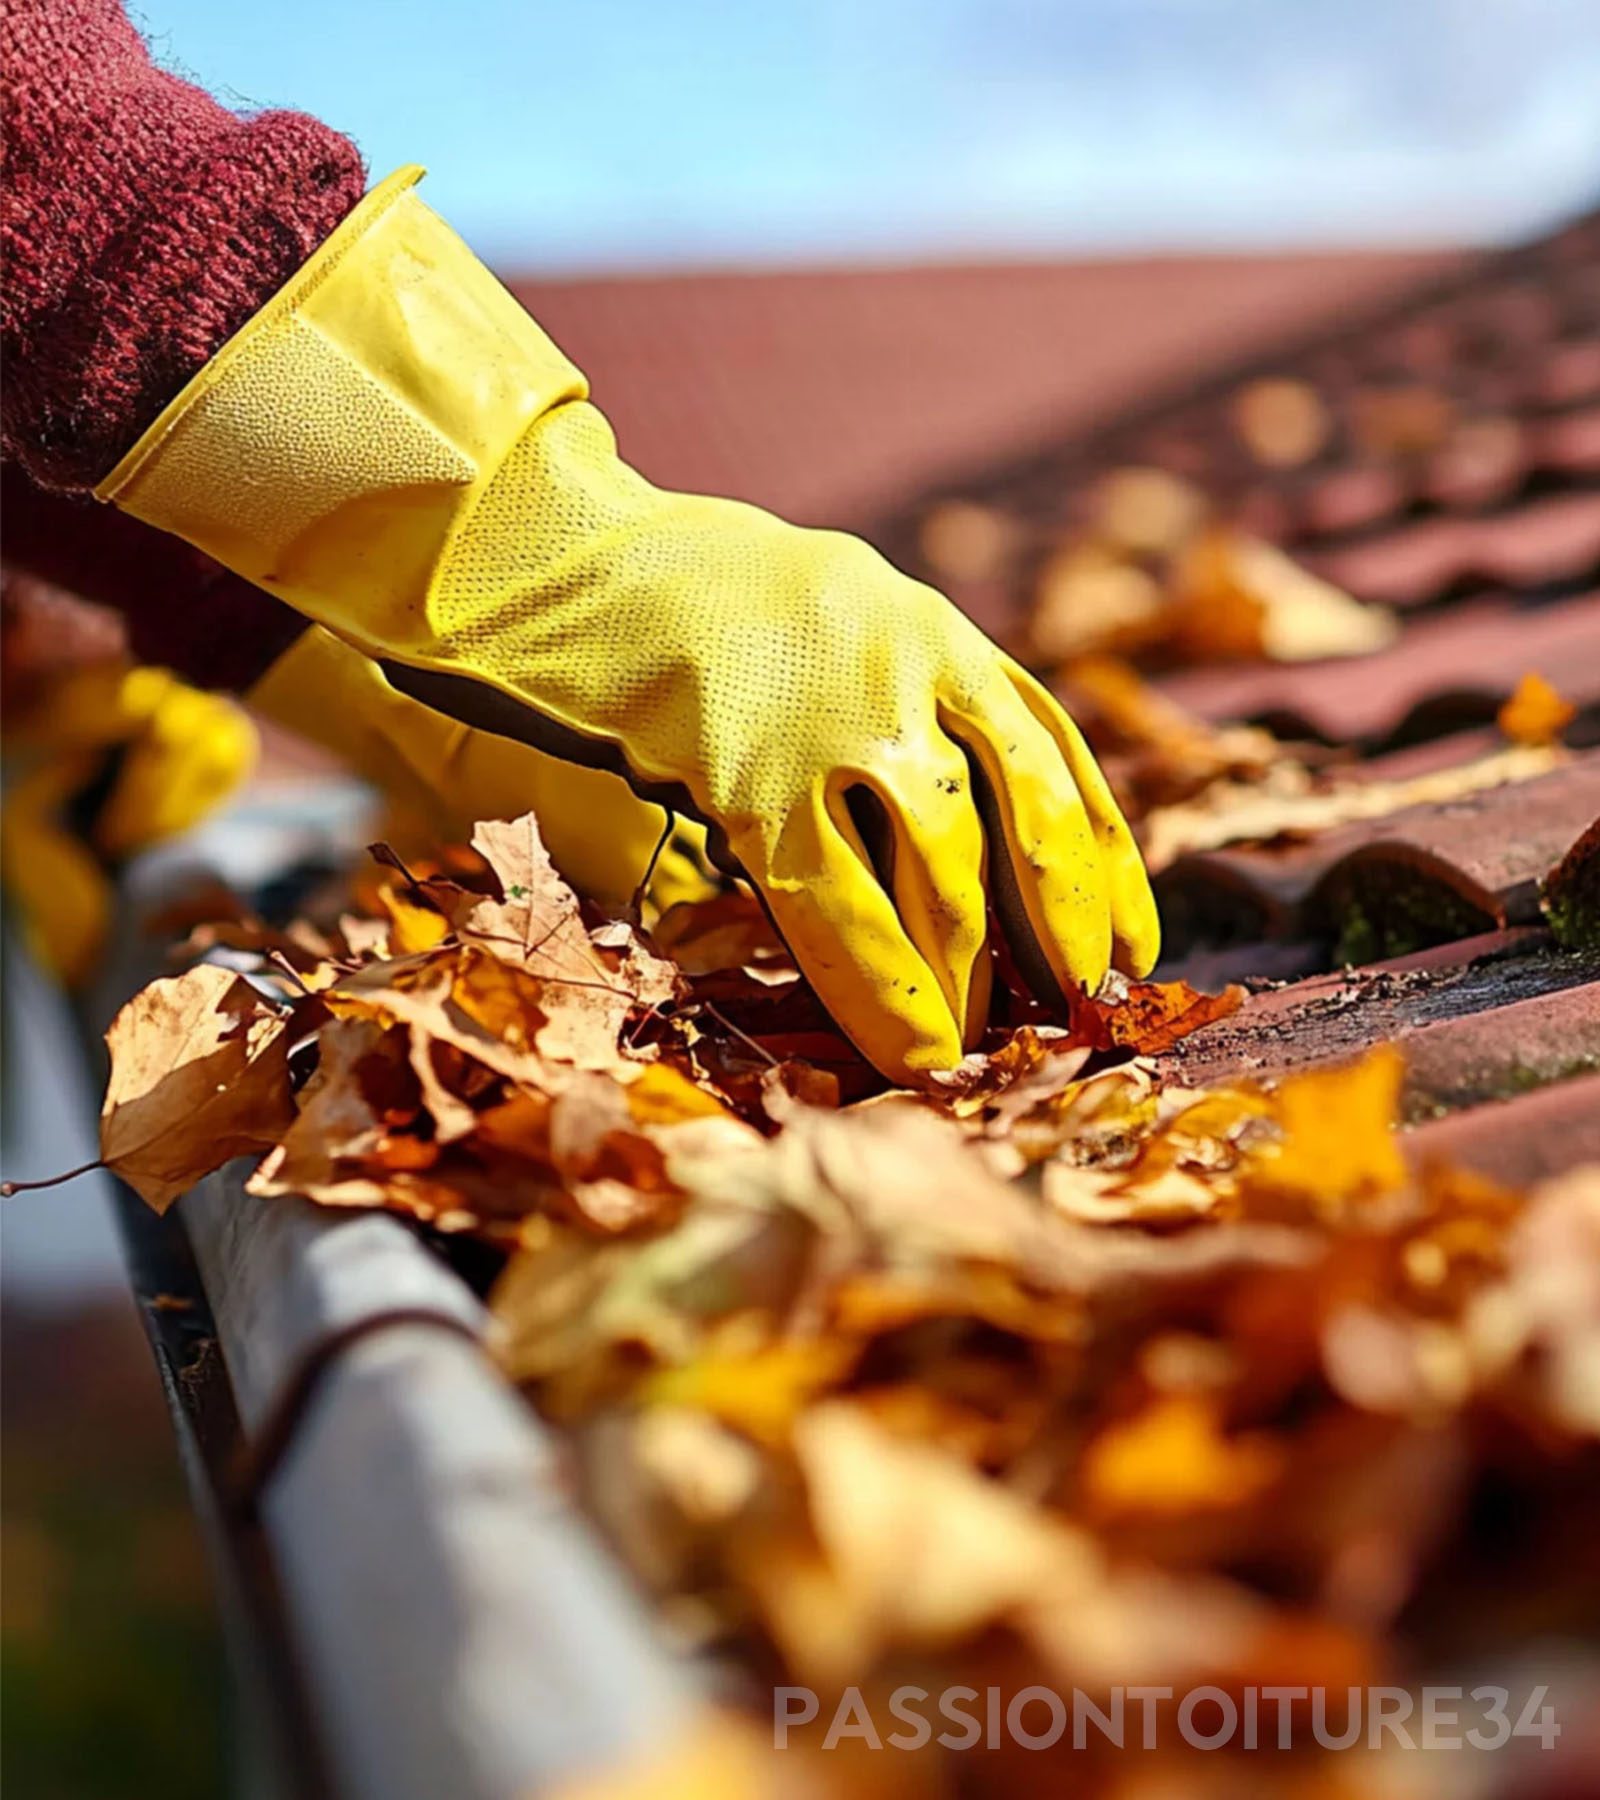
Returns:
(1152, 1015)
(1535, 713)
(1175, 1458)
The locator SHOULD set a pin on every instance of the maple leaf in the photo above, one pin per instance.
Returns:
(534, 919)
(591, 984)
(199, 1075)
(1535, 713)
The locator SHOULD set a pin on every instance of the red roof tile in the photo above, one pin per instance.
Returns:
(1446, 446)
(827, 395)
(1333, 1017)
(1552, 540)
(1436, 871)
(1522, 1140)
(1486, 853)
(1462, 1062)
(1472, 654)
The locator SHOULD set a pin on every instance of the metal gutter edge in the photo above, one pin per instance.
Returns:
(461, 1633)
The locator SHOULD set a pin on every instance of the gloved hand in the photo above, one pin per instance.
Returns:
(114, 759)
(393, 446)
(601, 837)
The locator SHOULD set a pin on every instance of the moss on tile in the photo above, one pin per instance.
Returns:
(1571, 897)
(1392, 912)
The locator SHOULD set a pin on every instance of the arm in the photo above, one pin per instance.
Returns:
(428, 479)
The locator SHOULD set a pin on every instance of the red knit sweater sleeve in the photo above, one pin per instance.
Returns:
(142, 225)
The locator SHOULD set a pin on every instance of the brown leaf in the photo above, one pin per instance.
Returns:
(1290, 805)
(199, 1074)
(358, 1142)
(525, 1027)
(346, 1113)
(731, 931)
(534, 921)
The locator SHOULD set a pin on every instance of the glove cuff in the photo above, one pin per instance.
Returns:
(371, 400)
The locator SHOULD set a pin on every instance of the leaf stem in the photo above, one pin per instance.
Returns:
(8, 1188)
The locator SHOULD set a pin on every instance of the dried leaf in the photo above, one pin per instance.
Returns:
(1091, 597)
(534, 921)
(412, 927)
(1291, 806)
(1148, 1017)
(923, 1551)
(760, 1393)
(199, 1074)
(349, 1110)
(1241, 597)
(731, 931)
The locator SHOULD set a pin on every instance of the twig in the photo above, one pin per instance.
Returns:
(743, 1036)
(636, 904)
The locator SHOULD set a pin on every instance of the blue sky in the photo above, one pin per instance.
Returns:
(661, 133)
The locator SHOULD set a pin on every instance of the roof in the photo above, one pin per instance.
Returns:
(828, 395)
(1439, 456)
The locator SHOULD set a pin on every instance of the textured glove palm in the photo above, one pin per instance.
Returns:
(396, 449)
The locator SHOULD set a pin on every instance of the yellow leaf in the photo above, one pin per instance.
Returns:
(412, 928)
(760, 1394)
(661, 1096)
(1239, 596)
(926, 1550)
(1339, 1143)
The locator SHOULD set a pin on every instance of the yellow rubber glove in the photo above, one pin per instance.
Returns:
(145, 757)
(600, 835)
(392, 446)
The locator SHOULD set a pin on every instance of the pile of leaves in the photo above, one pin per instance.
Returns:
(1049, 1372)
